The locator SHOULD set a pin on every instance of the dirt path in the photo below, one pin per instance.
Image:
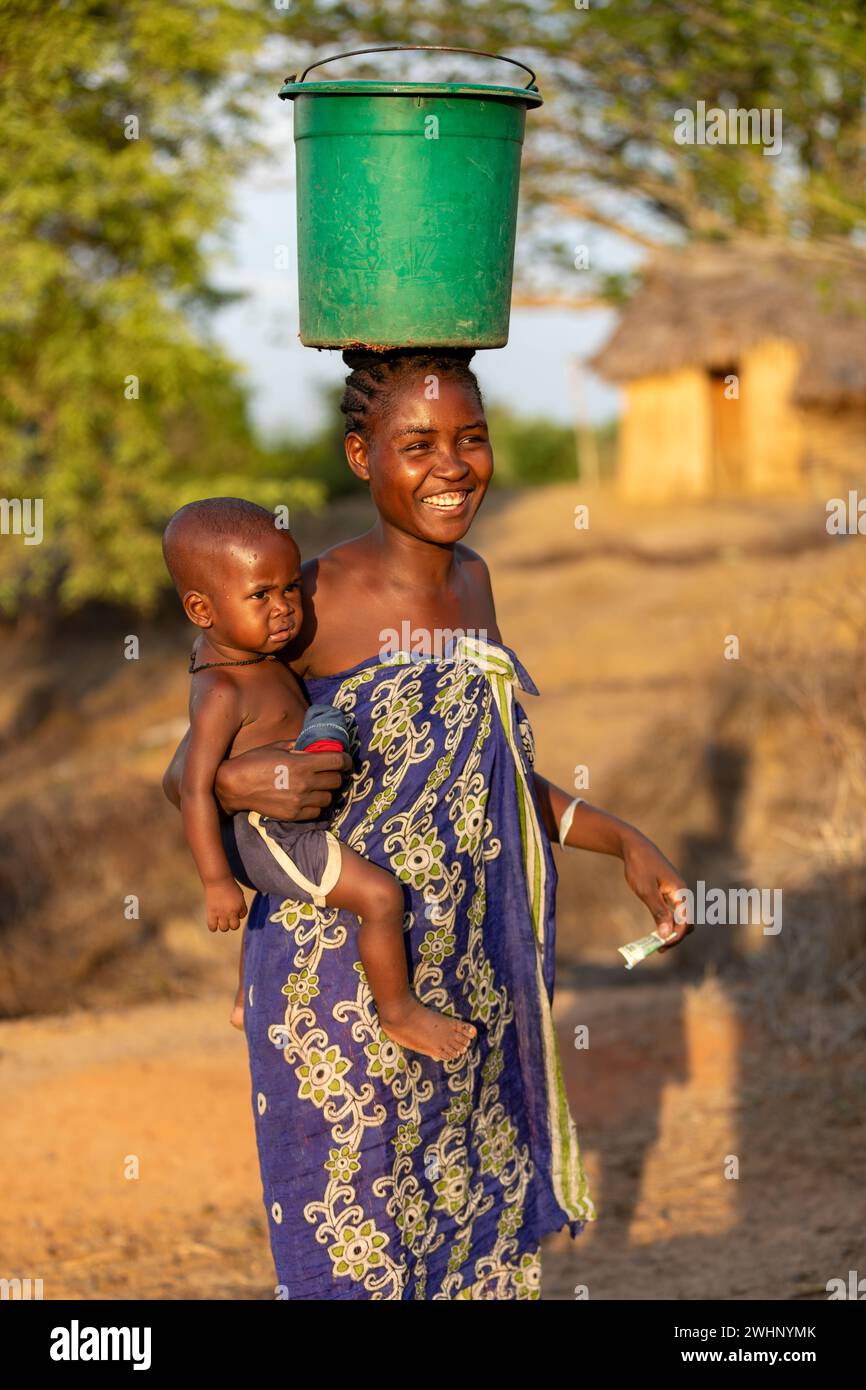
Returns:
(658, 1108)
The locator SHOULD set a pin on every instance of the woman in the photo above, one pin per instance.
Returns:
(387, 1174)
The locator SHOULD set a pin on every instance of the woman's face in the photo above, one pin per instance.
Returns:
(428, 463)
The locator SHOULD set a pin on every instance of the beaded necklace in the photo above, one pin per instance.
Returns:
(247, 661)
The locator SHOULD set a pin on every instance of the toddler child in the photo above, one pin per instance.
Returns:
(238, 576)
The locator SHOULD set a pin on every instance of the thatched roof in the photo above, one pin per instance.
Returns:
(702, 306)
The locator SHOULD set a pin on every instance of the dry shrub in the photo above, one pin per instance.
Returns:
(758, 779)
(805, 819)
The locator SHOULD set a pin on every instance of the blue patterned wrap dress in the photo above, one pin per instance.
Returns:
(387, 1174)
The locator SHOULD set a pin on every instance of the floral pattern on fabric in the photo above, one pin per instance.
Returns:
(386, 1174)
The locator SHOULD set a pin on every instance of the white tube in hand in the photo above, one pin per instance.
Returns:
(636, 951)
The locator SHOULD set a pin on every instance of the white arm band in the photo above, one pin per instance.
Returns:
(567, 818)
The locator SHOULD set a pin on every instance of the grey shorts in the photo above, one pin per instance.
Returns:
(291, 859)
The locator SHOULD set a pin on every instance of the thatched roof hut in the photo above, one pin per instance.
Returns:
(744, 369)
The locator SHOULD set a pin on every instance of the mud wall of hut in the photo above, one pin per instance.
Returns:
(664, 437)
(683, 434)
(772, 428)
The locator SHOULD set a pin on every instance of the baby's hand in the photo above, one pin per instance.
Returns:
(225, 906)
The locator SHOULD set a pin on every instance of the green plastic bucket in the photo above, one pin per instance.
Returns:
(407, 209)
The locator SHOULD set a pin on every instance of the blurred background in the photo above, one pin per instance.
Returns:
(682, 398)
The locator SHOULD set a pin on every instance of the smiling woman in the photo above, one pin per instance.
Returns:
(388, 1174)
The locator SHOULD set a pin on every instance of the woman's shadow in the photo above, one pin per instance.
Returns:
(616, 1090)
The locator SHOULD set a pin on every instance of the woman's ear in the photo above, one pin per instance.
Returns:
(356, 454)
(198, 608)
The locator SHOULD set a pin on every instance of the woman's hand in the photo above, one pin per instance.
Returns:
(656, 882)
(287, 788)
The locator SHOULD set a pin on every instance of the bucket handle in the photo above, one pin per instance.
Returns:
(419, 48)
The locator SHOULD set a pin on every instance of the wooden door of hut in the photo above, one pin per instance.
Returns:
(727, 464)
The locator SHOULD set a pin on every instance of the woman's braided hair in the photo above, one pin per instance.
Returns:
(376, 377)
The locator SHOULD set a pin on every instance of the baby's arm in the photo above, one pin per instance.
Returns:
(215, 717)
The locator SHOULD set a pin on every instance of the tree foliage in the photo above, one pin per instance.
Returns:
(116, 408)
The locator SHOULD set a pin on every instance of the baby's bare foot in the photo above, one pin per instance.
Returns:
(237, 1018)
(424, 1030)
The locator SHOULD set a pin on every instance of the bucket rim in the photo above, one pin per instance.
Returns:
(528, 96)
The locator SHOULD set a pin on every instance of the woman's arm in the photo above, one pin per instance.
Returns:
(591, 827)
(649, 874)
(253, 781)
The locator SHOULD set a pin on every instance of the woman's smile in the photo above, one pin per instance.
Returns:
(452, 501)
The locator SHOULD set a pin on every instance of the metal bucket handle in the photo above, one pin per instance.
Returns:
(419, 48)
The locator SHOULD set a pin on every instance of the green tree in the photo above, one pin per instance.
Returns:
(320, 454)
(122, 126)
(531, 452)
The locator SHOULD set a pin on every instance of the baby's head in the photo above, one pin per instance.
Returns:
(238, 573)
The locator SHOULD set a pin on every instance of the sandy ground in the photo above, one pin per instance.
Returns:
(724, 1162)
(129, 1167)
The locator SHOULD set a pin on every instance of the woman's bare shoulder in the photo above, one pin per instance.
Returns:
(324, 581)
(479, 589)
(333, 564)
(471, 557)
(476, 567)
